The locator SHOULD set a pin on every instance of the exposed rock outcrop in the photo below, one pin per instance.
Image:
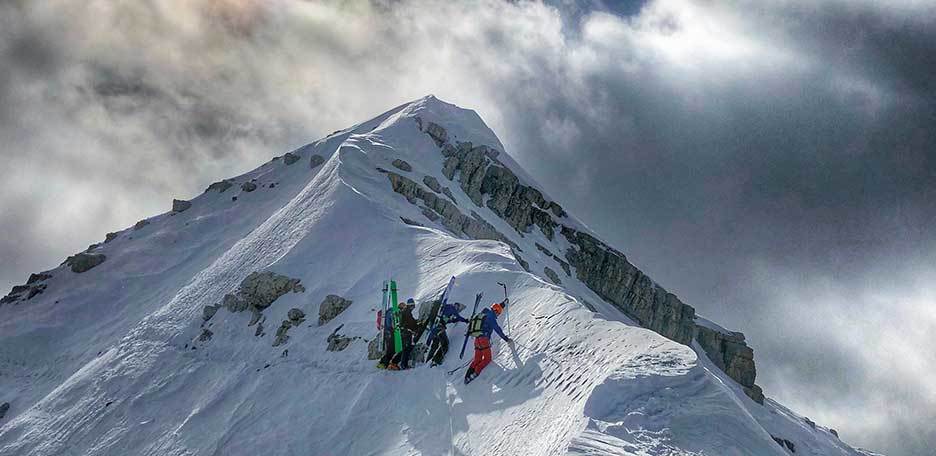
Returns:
(295, 315)
(316, 160)
(373, 348)
(785, 443)
(257, 292)
(34, 286)
(220, 186)
(290, 158)
(331, 307)
(4, 408)
(480, 174)
(248, 186)
(338, 342)
(180, 205)
(38, 277)
(432, 183)
(473, 227)
(728, 351)
(608, 273)
(281, 333)
(294, 318)
(84, 261)
(401, 165)
(552, 275)
(109, 237)
(140, 224)
(438, 134)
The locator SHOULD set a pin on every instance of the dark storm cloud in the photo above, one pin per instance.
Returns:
(772, 164)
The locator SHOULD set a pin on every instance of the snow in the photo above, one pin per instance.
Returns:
(108, 363)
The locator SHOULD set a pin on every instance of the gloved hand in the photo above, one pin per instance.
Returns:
(508, 340)
(506, 301)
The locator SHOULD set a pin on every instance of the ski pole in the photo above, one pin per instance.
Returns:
(459, 367)
(506, 317)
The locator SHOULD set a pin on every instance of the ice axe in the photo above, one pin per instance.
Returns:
(506, 317)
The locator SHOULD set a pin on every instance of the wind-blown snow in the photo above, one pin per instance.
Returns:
(108, 362)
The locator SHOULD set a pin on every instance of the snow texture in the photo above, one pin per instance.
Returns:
(120, 359)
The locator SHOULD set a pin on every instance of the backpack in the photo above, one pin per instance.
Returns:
(475, 325)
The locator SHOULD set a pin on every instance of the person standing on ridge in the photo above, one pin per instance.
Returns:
(408, 328)
(450, 313)
(481, 326)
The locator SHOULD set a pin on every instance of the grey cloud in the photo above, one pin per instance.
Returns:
(796, 135)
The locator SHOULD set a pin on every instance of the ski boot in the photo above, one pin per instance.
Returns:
(393, 367)
(381, 366)
(470, 375)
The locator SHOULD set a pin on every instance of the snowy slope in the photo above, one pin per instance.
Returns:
(112, 361)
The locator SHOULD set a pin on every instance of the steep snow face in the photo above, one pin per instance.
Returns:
(146, 353)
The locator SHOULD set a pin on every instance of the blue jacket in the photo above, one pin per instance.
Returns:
(448, 315)
(489, 324)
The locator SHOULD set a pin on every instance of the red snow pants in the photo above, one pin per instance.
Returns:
(482, 356)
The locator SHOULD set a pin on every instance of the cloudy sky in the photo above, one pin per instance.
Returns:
(772, 163)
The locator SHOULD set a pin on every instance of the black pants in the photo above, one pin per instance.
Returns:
(402, 358)
(439, 346)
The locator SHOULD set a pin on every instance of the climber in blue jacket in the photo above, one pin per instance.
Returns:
(450, 313)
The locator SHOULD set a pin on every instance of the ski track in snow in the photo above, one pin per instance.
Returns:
(575, 382)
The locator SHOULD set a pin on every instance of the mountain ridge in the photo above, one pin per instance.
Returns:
(333, 218)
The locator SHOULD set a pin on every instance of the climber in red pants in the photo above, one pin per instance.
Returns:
(481, 327)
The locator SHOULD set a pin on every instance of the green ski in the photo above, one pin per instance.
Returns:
(397, 337)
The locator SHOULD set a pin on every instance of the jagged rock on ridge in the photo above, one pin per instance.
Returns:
(290, 158)
(448, 193)
(180, 205)
(205, 335)
(729, 352)
(552, 275)
(432, 183)
(401, 165)
(38, 277)
(785, 443)
(410, 222)
(82, 262)
(438, 134)
(220, 186)
(432, 216)
(316, 160)
(140, 224)
(474, 227)
(109, 237)
(331, 306)
(248, 186)
(608, 273)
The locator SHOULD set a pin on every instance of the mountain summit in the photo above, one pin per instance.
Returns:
(242, 321)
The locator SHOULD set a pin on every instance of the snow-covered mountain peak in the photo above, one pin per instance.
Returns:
(243, 321)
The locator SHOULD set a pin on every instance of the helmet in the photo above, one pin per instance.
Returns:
(497, 308)
(459, 306)
(410, 301)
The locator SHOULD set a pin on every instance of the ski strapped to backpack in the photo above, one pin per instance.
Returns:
(433, 319)
(468, 333)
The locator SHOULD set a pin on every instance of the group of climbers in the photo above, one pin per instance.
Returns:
(481, 326)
